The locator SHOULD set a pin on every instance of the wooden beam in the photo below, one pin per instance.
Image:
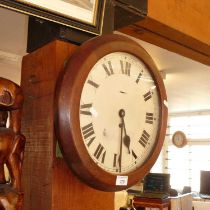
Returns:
(179, 26)
(190, 17)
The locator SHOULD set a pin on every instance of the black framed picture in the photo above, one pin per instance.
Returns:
(86, 15)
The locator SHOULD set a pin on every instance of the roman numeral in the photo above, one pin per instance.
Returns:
(125, 67)
(115, 160)
(139, 77)
(149, 118)
(88, 134)
(147, 96)
(85, 109)
(134, 154)
(90, 141)
(95, 85)
(87, 130)
(144, 138)
(100, 152)
(109, 69)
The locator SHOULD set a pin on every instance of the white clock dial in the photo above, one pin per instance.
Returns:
(119, 113)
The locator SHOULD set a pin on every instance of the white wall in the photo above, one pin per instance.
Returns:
(11, 71)
(13, 40)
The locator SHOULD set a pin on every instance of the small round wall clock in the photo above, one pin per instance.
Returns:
(111, 113)
(179, 139)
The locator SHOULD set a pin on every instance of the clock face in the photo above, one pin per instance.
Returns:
(119, 113)
(111, 113)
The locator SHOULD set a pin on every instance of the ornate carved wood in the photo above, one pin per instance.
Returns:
(12, 144)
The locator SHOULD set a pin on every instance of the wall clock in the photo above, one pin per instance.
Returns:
(179, 139)
(111, 112)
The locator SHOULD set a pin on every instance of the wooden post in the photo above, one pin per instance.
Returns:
(48, 183)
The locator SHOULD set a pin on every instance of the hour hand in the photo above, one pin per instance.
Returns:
(126, 141)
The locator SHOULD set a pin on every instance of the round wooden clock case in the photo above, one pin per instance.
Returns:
(111, 113)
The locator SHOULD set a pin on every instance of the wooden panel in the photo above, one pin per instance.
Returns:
(47, 182)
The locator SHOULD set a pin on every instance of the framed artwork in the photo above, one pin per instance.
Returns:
(86, 15)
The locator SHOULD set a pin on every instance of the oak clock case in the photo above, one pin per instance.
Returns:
(111, 113)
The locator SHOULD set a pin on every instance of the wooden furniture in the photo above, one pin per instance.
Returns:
(47, 181)
(152, 203)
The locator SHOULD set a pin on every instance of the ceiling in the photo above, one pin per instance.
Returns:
(187, 82)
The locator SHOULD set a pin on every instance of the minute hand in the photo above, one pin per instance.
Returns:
(121, 141)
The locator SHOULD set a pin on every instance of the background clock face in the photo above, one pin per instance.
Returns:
(179, 139)
(119, 113)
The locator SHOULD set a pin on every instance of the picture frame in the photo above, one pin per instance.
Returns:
(85, 15)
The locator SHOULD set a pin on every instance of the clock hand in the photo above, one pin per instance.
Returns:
(121, 140)
(126, 141)
(126, 138)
